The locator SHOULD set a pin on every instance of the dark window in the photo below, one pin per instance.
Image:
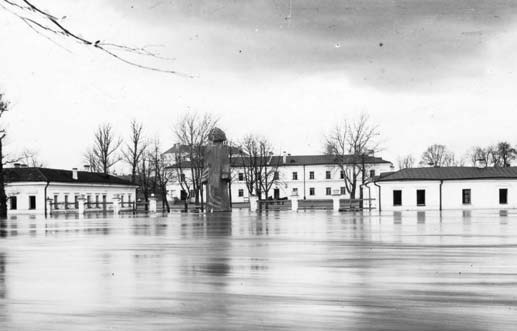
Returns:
(342, 190)
(397, 197)
(276, 176)
(420, 197)
(311, 191)
(241, 192)
(295, 175)
(465, 196)
(241, 176)
(96, 201)
(503, 196)
(88, 201)
(328, 175)
(372, 173)
(66, 201)
(56, 201)
(295, 191)
(182, 177)
(311, 174)
(328, 191)
(342, 174)
(32, 202)
(76, 202)
(14, 203)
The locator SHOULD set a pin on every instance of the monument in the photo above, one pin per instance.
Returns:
(216, 172)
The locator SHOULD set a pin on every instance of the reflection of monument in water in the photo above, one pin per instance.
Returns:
(216, 173)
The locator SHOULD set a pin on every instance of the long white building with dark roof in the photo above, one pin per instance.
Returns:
(311, 177)
(446, 188)
(44, 190)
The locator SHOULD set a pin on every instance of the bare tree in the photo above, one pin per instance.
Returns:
(259, 165)
(504, 154)
(500, 155)
(161, 173)
(135, 149)
(31, 159)
(51, 26)
(192, 133)
(145, 177)
(438, 156)
(351, 143)
(104, 153)
(407, 161)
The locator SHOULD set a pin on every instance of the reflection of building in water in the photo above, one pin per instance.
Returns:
(445, 188)
(3, 287)
(28, 190)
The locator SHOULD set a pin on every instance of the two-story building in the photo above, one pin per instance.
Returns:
(309, 176)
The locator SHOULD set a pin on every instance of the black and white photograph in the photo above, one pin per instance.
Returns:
(258, 165)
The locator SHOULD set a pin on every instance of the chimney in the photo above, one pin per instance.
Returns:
(284, 157)
(74, 174)
(86, 167)
(17, 165)
(23, 165)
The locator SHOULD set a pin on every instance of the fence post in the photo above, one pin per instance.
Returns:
(253, 203)
(80, 205)
(336, 195)
(116, 204)
(294, 201)
(152, 204)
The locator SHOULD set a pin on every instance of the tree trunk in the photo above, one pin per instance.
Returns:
(3, 196)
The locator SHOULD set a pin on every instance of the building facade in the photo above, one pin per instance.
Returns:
(43, 190)
(311, 177)
(448, 188)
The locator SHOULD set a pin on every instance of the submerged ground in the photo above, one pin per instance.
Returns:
(276, 271)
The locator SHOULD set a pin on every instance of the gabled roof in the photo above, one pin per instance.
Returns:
(449, 173)
(33, 174)
(297, 160)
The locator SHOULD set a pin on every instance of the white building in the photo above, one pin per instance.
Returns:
(312, 177)
(43, 190)
(445, 188)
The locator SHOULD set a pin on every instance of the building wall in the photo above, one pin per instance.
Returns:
(484, 194)
(286, 183)
(23, 190)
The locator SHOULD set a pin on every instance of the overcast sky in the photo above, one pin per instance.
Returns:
(426, 72)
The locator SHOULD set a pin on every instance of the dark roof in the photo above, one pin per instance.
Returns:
(297, 160)
(60, 176)
(449, 173)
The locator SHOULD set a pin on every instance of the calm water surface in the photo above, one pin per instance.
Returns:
(276, 271)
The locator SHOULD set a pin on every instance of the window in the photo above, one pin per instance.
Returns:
(241, 176)
(32, 202)
(97, 201)
(66, 201)
(56, 201)
(295, 191)
(328, 175)
(465, 196)
(76, 202)
(295, 175)
(276, 176)
(241, 192)
(372, 173)
(397, 197)
(420, 197)
(122, 200)
(342, 190)
(503, 196)
(88, 201)
(129, 198)
(182, 177)
(328, 191)
(342, 174)
(311, 174)
(311, 191)
(13, 202)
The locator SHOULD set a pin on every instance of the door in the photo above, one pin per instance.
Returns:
(276, 194)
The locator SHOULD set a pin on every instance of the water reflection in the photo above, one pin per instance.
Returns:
(275, 271)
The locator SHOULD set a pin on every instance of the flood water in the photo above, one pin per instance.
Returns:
(279, 271)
